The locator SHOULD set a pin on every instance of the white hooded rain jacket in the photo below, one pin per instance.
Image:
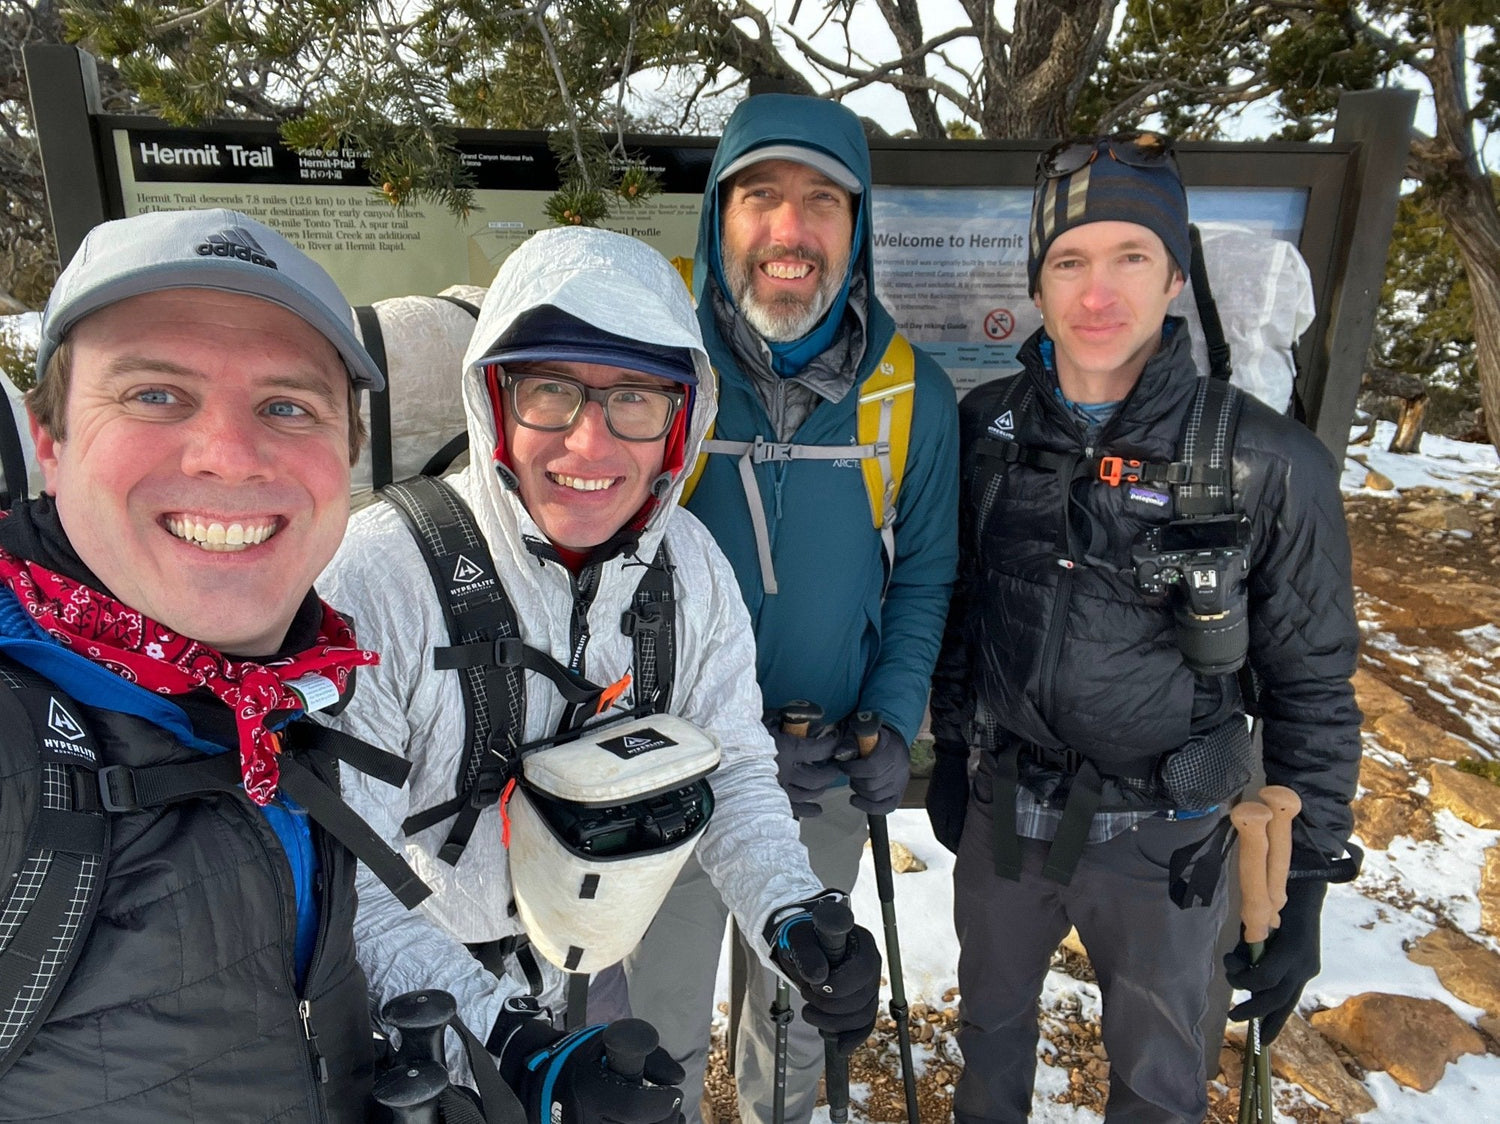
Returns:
(750, 847)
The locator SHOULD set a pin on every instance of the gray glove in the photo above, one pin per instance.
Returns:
(804, 766)
(879, 779)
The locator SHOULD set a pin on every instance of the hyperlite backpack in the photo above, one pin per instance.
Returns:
(58, 802)
(54, 838)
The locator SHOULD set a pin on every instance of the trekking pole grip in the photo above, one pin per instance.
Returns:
(1251, 820)
(411, 1086)
(1285, 804)
(866, 730)
(626, 1044)
(411, 1092)
(798, 716)
(832, 922)
(422, 1017)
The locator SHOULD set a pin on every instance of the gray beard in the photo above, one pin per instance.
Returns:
(785, 319)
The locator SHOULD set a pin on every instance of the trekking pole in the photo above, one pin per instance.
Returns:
(832, 922)
(416, 1079)
(797, 718)
(1285, 804)
(1252, 820)
(866, 733)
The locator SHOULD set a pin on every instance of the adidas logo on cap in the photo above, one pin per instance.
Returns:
(235, 242)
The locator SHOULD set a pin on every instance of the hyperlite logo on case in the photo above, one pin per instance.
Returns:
(634, 744)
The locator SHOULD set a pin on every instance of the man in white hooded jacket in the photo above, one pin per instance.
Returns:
(573, 506)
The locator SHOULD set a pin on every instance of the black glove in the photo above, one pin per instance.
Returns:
(840, 999)
(948, 798)
(1289, 960)
(804, 766)
(879, 779)
(566, 1078)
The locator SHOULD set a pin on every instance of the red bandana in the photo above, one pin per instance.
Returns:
(140, 651)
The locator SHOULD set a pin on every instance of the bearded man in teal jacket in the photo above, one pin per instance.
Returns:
(848, 614)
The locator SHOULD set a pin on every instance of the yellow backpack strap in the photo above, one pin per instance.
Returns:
(696, 472)
(684, 268)
(884, 421)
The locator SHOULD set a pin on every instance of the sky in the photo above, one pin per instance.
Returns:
(883, 104)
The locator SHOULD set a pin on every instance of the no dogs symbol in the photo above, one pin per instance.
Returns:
(999, 323)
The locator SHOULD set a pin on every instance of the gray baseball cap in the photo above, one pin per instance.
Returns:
(219, 249)
(819, 161)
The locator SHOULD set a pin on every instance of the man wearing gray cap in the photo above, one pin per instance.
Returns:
(832, 488)
(175, 934)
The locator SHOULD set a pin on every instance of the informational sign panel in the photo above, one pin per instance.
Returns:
(950, 262)
(324, 204)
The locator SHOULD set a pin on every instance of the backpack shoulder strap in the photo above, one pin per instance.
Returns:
(370, 334)
(475, 609)
(1206, 448)
(883, 435)
(48, 783)
(992, 454)
(651, 624)
(884, 421)
(1208, 310)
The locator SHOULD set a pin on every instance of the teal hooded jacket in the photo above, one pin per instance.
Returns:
(829, 635)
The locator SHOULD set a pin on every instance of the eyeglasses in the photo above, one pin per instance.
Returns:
(553, 402)
(1137, 149)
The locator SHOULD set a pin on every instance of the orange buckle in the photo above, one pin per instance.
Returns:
(1112, 471)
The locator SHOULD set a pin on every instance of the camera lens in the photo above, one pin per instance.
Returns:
(1213, 644)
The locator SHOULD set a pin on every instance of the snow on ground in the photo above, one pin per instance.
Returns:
(1445, 464)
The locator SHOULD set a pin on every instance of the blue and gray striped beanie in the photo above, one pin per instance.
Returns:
(1106, 190)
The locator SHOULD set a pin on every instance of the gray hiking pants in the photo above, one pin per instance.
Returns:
(672, 972)
(1154, 962)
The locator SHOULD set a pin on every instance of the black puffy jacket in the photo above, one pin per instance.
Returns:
(183, 1004)
(1049, 633)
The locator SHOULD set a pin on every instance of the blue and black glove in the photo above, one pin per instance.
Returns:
(878, 779)
(1290, 959)
(839, 999)
(571, 1079)
(804, 766)
(948, 797)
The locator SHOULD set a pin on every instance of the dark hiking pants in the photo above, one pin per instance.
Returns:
(1154, 962)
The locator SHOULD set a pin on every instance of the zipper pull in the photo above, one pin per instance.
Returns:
(319, 1062)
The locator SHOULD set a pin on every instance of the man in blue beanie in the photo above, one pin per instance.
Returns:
(1133, 534)
(831, 485)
